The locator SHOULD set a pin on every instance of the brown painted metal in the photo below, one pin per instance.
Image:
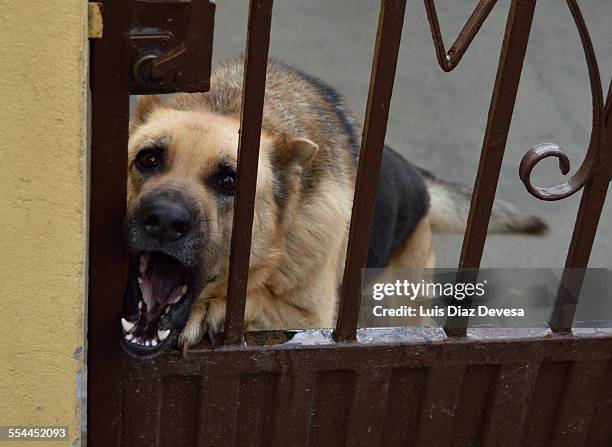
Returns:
(256, 61)
(545, 150)
(195, 52)
(593, 175)
(445, 393)
(170, 43)
(509, 71)
(510, 402)
(449, 60)
(535, 388)
(109, 134)
(110, 89)
(391, 20)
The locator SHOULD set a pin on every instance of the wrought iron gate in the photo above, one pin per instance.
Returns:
(357, 387)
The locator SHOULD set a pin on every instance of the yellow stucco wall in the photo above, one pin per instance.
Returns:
(43, 59)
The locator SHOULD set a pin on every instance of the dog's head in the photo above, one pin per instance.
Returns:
(181, 184)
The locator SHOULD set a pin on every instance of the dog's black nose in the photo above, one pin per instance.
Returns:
(166, 220)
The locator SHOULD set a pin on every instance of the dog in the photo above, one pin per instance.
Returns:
(182, 176)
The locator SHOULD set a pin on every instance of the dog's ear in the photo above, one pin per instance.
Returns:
(294, 154)
(146, 105)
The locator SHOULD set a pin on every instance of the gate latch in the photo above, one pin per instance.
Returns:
(164, 58)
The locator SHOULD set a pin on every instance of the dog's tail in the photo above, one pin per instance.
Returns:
(450, 205)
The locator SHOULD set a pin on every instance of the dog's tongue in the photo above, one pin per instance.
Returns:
(162, 282)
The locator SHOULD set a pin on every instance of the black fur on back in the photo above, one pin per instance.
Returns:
(401, 202)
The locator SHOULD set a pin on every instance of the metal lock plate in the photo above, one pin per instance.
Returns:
(169, 48)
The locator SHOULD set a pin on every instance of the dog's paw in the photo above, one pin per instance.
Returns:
(192, 332)
(205, 318)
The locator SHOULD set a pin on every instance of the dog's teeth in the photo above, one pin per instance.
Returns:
(148, 343)
(163, 334)
(184, 290)
(134, 340)
(129, 337)
(153, 342)
(140, 280)
(127, 326)
(144, 261)
(140, 305)
(167, 310)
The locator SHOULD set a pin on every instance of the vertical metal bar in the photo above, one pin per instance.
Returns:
(585, 229)
(509, 71)
(109, 129)
(253, 90)
(390, 22)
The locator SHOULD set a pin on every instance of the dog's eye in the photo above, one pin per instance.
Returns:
(147, 160)
(226, 182)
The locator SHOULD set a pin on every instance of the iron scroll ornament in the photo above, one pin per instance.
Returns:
(448, 60)
(600, 114)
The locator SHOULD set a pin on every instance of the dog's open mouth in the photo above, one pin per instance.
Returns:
(156, 302)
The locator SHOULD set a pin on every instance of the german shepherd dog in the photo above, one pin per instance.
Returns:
(181, 183)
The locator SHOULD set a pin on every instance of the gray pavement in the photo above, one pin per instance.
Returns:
(437, 119)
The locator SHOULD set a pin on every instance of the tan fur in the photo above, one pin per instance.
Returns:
(297, 253)
(418, 250)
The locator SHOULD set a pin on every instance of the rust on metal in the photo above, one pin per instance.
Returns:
(255, 67)
(448, 60)
(390, 22)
